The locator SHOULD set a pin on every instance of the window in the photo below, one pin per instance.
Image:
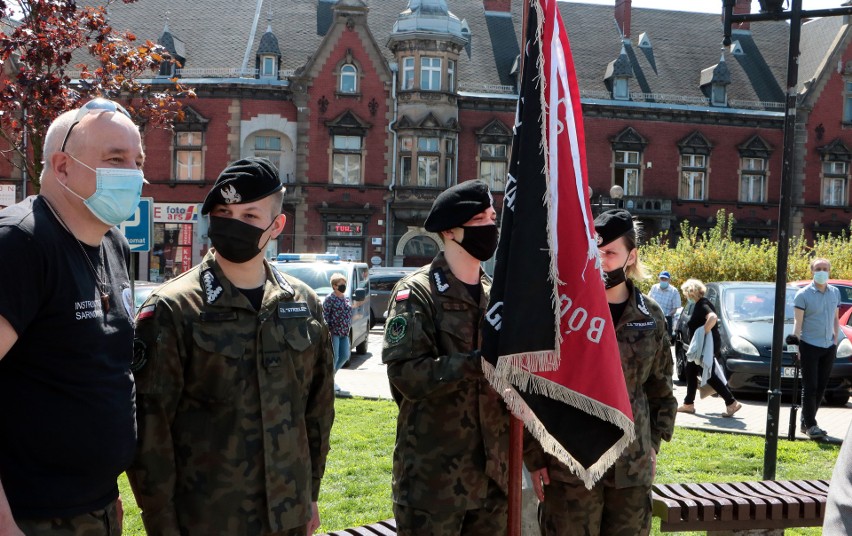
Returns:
(348, 79)
(346, 163)
(449, 161)
(718, 95)
(753, 180)
(427, 164)
(430, 74)
(692, 175)
(835, 183)
(627, 171)
(267, 67)
(847, 102)
(621, 89)
(451, 75)
(406, 144)
(268, 147)
(492, 165)
(407, 73)
(189, 165)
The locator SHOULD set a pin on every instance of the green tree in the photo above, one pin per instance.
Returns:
(55, 55)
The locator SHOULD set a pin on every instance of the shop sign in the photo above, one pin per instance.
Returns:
(7, 195)
(176, 212)
(339, 228)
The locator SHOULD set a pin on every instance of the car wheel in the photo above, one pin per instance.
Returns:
(361, 348)
(836, 398)
(680, 362)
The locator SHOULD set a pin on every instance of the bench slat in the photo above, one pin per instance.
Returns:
(740, 508)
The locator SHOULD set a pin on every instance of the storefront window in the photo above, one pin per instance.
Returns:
(171, 254)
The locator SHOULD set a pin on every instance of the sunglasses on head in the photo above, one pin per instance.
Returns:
(94, 105)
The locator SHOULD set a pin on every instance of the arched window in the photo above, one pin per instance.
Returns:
(348, 79)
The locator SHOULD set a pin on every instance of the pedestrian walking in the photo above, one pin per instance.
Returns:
(450, 461)
(703, 322)
(234, 367)
(620, 502)
(667, 297)
(66, 330)
(816, 329)
(337, 312)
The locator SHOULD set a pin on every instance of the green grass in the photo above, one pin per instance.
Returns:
(356, 487)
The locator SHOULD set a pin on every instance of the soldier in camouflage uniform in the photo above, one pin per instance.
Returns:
(450, 459)
(234, 373)
(620, 503)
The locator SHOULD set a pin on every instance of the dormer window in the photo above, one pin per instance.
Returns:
(718, 95)
(621, 89)
(348, 79)
(268, 67)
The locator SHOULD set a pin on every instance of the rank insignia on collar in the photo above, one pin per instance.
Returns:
(212, 288)
(440, 280)
(640, 303)
(285, 286)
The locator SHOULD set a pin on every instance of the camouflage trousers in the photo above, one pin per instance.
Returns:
(572, 510)
(98, 523)
(490, 520)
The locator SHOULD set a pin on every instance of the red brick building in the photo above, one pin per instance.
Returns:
(370, 109)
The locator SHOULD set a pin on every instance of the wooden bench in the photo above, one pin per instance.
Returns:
(382, 528)
(740, 506)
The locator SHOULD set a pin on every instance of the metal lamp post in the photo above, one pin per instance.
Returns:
(774, 10)
(617, 193)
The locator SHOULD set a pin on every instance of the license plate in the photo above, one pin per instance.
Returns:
(792, 348)
(788, 372)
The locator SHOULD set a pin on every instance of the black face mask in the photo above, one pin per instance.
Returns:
(234, 240)
(615, 277)
(480, 241)
(341, 288)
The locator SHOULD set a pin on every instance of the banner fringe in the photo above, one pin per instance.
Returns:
(506, 380)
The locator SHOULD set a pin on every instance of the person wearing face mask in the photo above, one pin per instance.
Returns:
(66, 330)
(234, 371)
(337, 312)
(667, 297)
(816, 329)
(620, 502)
(704, 320)
(451, 454)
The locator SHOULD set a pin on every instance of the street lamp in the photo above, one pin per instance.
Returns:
(773, 10)
(617, 193)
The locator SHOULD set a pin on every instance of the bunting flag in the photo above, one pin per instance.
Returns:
(549, 345)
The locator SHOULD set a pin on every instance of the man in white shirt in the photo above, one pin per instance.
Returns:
(667, 297)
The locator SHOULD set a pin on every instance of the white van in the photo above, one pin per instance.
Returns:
(315, 270)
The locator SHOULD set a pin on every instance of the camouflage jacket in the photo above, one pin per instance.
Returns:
(646, 360)
(452, 429)
(235, 406)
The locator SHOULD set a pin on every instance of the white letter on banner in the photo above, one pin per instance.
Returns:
(596, 327)
(493, 316)
(573, 323)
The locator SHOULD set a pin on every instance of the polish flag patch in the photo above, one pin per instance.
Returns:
(146, 312)
(403, 294)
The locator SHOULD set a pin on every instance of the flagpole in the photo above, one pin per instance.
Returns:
(516, 427)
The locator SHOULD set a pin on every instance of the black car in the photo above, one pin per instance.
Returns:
(382, 281)
(746, 312)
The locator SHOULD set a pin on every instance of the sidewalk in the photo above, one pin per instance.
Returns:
(366, 377)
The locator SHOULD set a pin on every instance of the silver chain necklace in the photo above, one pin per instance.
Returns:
(99, 278)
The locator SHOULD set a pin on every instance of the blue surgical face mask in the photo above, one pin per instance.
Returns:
(820, 278)
(664, 284)
(116, 195)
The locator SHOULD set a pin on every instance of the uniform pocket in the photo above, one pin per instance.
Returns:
(216, 367)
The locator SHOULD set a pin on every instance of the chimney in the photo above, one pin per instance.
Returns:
(742, 7)
(503, 6)
(622, 17)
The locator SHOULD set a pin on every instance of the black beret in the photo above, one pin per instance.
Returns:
(455, 206)
(243, 181)
(612, 225)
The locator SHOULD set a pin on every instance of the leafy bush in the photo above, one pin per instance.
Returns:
(714, 255)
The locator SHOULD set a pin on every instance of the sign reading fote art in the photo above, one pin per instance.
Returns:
(176, 212)
(339, 228)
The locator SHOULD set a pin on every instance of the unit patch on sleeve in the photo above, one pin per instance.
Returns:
(395, 329)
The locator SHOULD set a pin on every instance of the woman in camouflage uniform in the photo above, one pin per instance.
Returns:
(620, 503)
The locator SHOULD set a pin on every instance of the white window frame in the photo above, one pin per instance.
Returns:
(835, 184)
(621, 88)
(268, 66)
(718, 95)
(189, 156)
(693, 177)
(346, 162)
(628, 171)
(430, 73)
(451, 75)
(348, 74)
(407, 79)
(494, 164)
(752, 180)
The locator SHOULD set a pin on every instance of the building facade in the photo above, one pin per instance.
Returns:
(370, 109)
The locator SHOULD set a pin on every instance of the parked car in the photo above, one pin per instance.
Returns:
(382, 281)
(846, 324)
(315, 270)
(843, 285)
(141, 291)
(746, 313)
